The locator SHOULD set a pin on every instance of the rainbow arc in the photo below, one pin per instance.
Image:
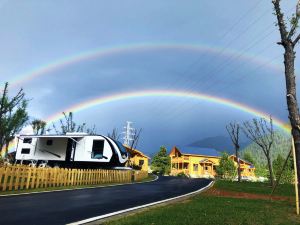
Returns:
(102, 100)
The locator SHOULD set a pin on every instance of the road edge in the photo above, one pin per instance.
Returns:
(105, 216)
(75, 189)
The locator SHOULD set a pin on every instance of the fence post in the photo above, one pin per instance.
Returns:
(11, 178)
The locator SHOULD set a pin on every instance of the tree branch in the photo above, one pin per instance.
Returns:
(281, 22)
(296, 40)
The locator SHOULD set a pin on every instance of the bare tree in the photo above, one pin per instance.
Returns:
(261, 132)
(289, 40)
(135, 139)
(68, 125)
(134, 143)
(92, 130)
(233, 130)
(115, 134)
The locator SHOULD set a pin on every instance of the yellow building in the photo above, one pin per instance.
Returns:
(201, 162)
(137, 159)
(247, 168)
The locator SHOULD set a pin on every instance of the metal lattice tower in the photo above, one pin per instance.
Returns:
(128, 133)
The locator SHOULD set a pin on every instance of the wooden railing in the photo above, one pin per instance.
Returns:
(21, 177)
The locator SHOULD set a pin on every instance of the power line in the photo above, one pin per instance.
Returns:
(211, 77)
(179, 111)
(240, 19)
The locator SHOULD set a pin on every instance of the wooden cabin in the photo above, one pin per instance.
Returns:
(137, 159)
(201, 162)
(247, 168)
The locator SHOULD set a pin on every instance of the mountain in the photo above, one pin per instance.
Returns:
(220, 143)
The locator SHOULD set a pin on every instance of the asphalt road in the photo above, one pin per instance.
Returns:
(71, 206)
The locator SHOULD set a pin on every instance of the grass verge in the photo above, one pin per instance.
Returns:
(255, 188)
(206, 209)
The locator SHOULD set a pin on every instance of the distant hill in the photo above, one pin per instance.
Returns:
(220, 143)
(282, 144)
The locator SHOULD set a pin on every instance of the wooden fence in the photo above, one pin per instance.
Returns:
(21, 177)
(140, 175)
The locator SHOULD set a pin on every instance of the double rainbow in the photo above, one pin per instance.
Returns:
(102, 100)
(122, 49)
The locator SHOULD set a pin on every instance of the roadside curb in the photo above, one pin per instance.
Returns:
(75, 189)
(105, 216)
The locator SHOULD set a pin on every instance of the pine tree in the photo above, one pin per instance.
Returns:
(161, 162)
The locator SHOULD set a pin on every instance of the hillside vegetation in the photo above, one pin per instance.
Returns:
(281, 146)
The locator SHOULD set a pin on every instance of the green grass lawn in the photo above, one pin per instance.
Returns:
(206, 209)
(255, 188)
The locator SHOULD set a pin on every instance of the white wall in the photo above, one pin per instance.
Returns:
(38, 149)
(84, 150)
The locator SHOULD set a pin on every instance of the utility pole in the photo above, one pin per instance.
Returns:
(128, 133)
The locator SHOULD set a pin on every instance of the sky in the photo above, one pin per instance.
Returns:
(80, 50)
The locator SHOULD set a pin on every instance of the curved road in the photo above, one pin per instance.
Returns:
(71, 206)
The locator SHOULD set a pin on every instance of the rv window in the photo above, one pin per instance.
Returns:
(49, 142)
(97, 151)
(27, 140)
(25, 151)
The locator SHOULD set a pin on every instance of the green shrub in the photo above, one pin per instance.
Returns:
(181, 174)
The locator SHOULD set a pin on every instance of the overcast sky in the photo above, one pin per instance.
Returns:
(244, 65)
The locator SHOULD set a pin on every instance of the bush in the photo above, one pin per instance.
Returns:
(226, 169)
(182, 174)
(287, 176)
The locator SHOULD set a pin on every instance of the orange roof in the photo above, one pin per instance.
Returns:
(244, 161)
(134, 151)
(174, 149)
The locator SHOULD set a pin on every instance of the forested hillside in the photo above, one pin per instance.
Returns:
(281, 145)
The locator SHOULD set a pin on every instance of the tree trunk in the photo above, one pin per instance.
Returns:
(296, 136)
(270, 170)
(291, 97)
(6, 150)
(238, 162)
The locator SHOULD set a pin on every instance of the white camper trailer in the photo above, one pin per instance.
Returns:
(73, 150)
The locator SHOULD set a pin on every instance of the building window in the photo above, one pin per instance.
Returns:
(25, 151)
(27, 140)
(185, 166)
(173, 165)
(195, 166)
(206, 168)
(141, 162)
(49, 142)
(97, 150)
